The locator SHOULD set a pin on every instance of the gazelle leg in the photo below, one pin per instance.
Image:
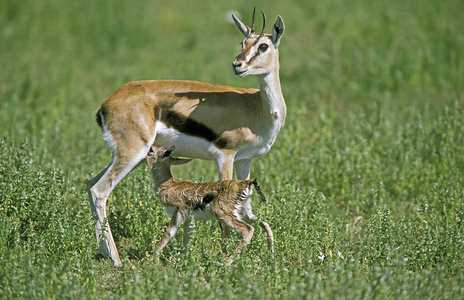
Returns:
(90, 184)
(225, 165)
(176, 220)
(98, 195)
(94, 198)
(242, 169)
(226, 172)
(99, 189)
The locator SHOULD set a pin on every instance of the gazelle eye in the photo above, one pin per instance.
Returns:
(263, 47)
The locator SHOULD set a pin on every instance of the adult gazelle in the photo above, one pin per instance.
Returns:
(227, 124)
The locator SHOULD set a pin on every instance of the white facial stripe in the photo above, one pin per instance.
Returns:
(251, 45)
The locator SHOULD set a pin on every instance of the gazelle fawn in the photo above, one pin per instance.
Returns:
(228, 201)
(229, 125)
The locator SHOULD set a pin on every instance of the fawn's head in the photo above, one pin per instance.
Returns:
(159, 157)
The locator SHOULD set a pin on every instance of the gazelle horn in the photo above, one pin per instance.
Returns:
(264, 22)
(253, 21)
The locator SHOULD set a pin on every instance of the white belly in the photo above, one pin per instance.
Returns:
(203, 214)
(186, 145)
(196, 147)
(198, 214)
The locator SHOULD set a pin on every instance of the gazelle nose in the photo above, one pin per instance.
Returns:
(238, 60)
(237, 64)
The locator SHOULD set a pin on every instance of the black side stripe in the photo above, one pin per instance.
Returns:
(191, 127)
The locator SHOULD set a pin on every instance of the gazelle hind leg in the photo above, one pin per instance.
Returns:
(98, 195)
(90, 184)
(99, 189)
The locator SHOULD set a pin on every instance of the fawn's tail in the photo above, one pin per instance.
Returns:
(258, 189)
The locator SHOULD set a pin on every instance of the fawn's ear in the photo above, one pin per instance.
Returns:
(169, 152)
(179, 161)
(151, 152)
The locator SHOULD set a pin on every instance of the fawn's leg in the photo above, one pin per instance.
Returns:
(270, 236)
(176, 220)
(186, 234)
(246, 230)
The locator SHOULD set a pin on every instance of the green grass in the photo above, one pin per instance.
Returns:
(365, 181)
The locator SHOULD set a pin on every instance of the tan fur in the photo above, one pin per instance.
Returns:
(227, 124)
(209, 104)
(227, 201)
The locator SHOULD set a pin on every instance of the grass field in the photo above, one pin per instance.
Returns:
(365, 181)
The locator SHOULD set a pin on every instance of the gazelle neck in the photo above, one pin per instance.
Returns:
(271, 93)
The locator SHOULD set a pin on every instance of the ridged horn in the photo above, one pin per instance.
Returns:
(264, 22)
(253, 21)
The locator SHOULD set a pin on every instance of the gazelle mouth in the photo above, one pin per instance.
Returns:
(240, 73)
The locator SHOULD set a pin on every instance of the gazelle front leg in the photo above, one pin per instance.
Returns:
(225, 163)
(226, 172)
(242, 168)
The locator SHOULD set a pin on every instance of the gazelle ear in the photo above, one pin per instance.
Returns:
(245, 30)
(277, 31)
(179, 161)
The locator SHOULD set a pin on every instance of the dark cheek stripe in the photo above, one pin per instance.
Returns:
(251, 59)
(245, 53)
(248, 49)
